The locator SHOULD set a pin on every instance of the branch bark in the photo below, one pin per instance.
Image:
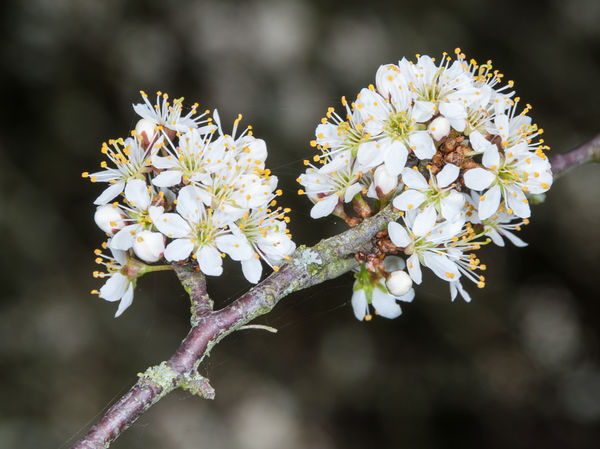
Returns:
(588, 152)
(328, 259)
(194, 284)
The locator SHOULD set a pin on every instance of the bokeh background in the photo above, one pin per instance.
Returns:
(518, 367)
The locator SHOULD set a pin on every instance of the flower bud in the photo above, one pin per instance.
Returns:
(384, 180)
(439, 128)
(149, 246)
(109, 218)
(145, 129)
(398, 283)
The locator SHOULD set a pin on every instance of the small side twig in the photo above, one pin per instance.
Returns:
(588, 152)
(261, 327)
(194, 284)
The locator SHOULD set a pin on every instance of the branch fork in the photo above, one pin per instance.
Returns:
(328, 259)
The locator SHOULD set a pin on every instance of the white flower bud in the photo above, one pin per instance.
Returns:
(439, 128)
(385, 181)
(398, 283)
(149, 246)
(145, 129)
(109, 218)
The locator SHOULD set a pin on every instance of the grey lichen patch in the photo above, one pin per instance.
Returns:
(161, 375)
(308, 257)
(198, 385)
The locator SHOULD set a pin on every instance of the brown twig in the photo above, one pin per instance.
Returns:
(194, 284)
(308, 266)
(588, 152)
(328, 259)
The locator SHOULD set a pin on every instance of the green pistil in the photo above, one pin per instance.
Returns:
(353, 138)
(398, 125)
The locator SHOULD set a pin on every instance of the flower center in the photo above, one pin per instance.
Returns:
(353, 137)
(398, 125)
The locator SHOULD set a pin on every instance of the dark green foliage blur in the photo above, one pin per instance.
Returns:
(517, 368)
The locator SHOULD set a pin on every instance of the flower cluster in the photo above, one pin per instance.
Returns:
(180, 189)
(447, 144)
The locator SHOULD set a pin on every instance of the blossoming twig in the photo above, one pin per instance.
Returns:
(328, 259)
(436, 159)
(194, 283)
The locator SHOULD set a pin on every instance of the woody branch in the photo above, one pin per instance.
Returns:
(328, 259)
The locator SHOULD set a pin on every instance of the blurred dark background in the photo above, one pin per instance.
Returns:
(518, 367)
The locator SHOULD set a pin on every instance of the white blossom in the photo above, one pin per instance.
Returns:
(436, 196)
(336, 181)
(142, 215)
(118, 286)
(507, 177)
(442, 250)
(131, 161)
(170, 114)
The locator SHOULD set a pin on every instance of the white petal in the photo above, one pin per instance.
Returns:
(425, 221)
(414, 180)
(409, 199)
(385, 304)
(124, 238)
(518, 203)
(325, 206)
(120, 256)
(351, 191)
(190, 203)
(478, 178)
(447, 175)
(173, 226)
(393, 263)
(114, 288)
(491, 158)
(164, 162)
(414, 268)
(443, 267)
(236, 247)
(110, 193)
(514, 239)
(395, 158)
(179, 249)
(252, 269)
(155, 212)
(453, 111)
(359, 304)
(209, 260)
(458, 286)
(382, 179)
(408, 297)
(423, 110)
(136, 192)
(479, 143)
(370, 154)
(452, 204)
(495, 236)
(126, 300)
(422, 144)
(453, 291)
(167, 178)
(398, 235)
(489, 202)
